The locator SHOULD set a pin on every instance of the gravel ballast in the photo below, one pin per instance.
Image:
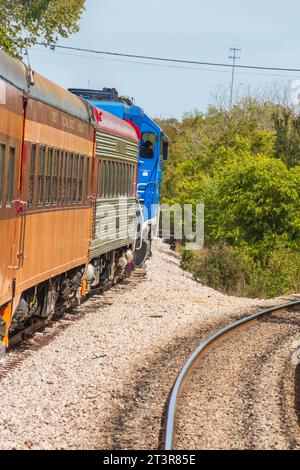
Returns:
(102, 382)
(249, 401)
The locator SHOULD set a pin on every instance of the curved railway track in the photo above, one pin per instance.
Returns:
(195, 358)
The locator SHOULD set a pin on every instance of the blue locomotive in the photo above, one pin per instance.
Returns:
(153, 152)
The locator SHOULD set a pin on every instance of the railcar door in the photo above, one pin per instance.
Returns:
(11, 132)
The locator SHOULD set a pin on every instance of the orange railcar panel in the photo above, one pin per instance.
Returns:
(11, 129)
(55, 242)
(7, 233)
(46, 135)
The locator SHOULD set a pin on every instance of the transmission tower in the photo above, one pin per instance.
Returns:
(233, 55)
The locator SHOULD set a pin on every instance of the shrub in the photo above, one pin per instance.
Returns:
(222, 267)
(234, 272)
(255, 199)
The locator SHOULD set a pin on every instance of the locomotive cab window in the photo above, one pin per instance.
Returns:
(164, 150)
(148, 143)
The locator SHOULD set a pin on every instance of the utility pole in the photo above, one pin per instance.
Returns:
(234, 57)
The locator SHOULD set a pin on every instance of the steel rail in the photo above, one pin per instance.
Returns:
(194, 357)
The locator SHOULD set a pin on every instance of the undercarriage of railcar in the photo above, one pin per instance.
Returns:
(50, 299)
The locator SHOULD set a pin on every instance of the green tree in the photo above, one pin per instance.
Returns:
(255, 204)
(23, 24)
(244, 165)
(287, 143)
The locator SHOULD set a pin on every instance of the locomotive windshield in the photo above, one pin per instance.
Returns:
(148, 143)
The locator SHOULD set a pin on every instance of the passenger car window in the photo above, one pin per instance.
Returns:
(32, 175)
(10, 176)
(41, 171)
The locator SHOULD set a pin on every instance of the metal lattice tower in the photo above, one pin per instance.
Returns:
(233, 50)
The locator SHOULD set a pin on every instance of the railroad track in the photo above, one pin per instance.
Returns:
(21, 343)
(193, 362)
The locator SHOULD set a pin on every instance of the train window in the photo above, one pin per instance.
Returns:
(69, 176)
(118, 173)
(81, 163)
(121, 179)
(60, 177)
(41, 171)
(111, 179)
(99, 179)
(10, 176)
(114, 186)
(2, 159)
(108, 172)
(75, 179)
(32, 175)
(116, 178)
(55, 176)
(132, 175)
(64, 178)
(127, 180)
(48, 176)
(148, 142)
(87, 180)
(124, 179)
(108, 177)
(103, 179)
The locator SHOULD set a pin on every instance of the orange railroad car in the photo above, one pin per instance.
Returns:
(67, 171)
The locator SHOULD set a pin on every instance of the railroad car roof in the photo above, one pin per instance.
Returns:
(15, 72)
(49, 93)
(42, 89)
(107, 122)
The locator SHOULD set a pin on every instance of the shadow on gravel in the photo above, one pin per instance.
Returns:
(297, 392)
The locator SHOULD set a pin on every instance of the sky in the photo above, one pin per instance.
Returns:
(266, 31)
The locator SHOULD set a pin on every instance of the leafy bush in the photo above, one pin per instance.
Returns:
(255, 203)
(231, 271)
(222, 267)
(244, 165)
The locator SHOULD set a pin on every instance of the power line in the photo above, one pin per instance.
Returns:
(179, 61)
(178, 67)
(234, 58)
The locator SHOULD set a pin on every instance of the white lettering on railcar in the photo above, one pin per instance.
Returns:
(81, 128)
(54, 116)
